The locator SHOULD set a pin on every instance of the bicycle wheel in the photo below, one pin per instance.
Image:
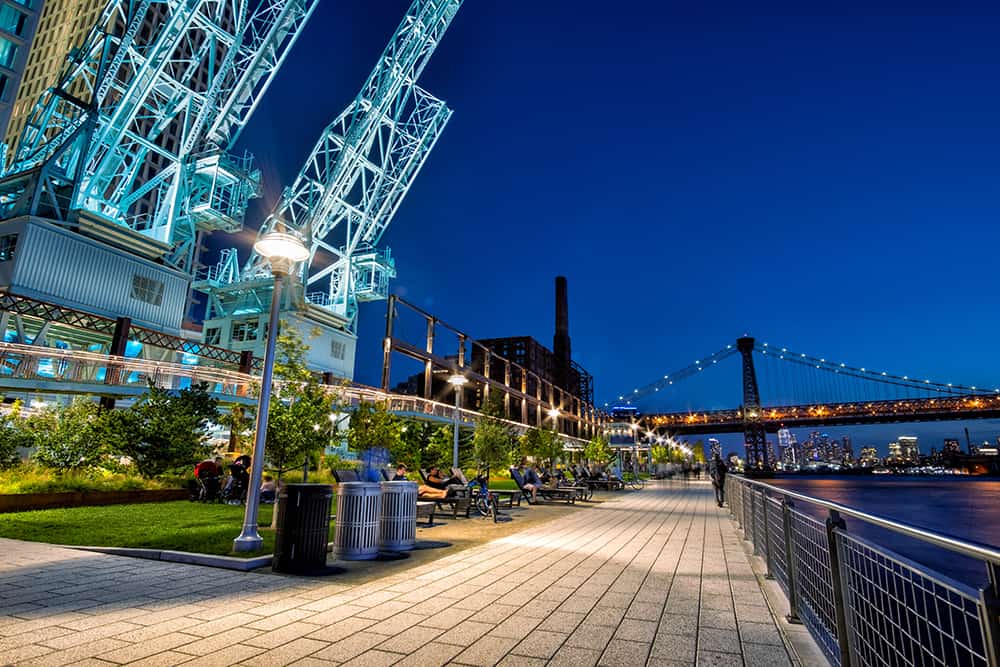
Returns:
(483, 505)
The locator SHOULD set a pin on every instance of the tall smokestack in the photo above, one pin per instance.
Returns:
(560, 342)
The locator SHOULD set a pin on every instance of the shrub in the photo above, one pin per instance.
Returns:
(65, 436)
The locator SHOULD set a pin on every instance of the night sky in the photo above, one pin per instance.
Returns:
(825, 180)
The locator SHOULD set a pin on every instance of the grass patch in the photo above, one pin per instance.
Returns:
(28, 478)
(178, 526)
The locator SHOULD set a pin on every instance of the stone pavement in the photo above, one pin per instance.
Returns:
(654, 577)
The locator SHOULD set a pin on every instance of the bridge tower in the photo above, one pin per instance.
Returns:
(753, 424)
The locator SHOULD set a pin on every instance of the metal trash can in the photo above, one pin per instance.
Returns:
(399, 516)
(303, 528)
(359, 506)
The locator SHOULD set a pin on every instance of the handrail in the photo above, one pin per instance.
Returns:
(949, 542)
(236, 378)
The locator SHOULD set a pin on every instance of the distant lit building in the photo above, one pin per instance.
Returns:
(868, 457)
(909, 450)
(895, 451)
(788, 447)
(951, 447)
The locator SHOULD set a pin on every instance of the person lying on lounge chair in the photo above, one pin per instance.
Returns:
(437, 485)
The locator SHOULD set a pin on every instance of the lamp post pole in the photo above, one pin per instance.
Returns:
(283, 251)
(458, 381)
(250, 539)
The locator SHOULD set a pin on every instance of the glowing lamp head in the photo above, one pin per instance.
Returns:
(457, 380)
(553, 412)
(282, 250)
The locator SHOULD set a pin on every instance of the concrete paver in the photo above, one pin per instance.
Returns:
(656, 577)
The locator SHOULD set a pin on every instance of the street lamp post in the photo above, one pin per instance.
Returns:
(283, 251)
(458, 381)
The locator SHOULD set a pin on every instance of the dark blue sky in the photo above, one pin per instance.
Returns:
(827, 180)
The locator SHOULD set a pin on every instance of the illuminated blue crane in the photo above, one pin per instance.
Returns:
(344, 198)
(133, 138)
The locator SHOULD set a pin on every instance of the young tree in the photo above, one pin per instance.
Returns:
(598, 450)
(162, 431)
(660, 454)
(372, 425)
(493, 442)
(439, 447)
(542, 444)
(298, 417)
(65, 435)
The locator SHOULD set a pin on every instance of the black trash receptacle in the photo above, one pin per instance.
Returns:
(303, 528)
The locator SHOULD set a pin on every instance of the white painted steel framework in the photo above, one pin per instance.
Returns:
(353, 182)
(137, 129)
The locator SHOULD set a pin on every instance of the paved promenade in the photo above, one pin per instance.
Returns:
(655, 577)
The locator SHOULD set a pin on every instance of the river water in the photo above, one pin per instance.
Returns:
(964, 507)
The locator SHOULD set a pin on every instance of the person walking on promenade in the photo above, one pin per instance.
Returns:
(717, 471)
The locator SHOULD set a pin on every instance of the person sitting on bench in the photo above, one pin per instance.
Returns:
(437, 485)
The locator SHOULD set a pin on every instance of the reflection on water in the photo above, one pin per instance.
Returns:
(967, 508)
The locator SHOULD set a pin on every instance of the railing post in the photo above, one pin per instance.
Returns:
(834, 522)
(753, 520)
(767, 539)
(989, 614)
(793, 594)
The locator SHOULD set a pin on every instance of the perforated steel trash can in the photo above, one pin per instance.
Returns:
(399, 516)
(359, 507)
(303, 528)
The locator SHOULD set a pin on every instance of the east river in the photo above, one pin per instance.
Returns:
(964, 507)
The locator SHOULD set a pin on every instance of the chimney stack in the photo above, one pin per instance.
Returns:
(560, 342)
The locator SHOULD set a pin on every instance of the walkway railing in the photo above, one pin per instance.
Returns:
(863, 603)
(32, 369)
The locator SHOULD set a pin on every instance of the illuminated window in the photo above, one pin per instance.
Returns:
(8, 244)
(147, 290)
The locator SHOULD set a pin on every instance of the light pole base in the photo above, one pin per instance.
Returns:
(248, 543)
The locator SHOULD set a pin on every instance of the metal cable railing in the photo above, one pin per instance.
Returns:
(98, 373)
(863, 603)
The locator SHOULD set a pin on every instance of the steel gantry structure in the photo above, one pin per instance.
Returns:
(135, 134)
(342, 201)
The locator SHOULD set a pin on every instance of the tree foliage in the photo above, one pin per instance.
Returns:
(598, 450)
(493, 442)
(372, 425)
(542, 444)
(298, 424)
(163, 430)
(65, 435)
(14, 434)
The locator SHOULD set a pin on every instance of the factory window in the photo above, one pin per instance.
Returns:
(8, 52)
(147, 290)
(8, 244)
(213, 336)
(243, 331)
(337, 349)
(12, 20)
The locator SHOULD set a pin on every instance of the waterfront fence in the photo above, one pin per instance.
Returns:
(863, 603)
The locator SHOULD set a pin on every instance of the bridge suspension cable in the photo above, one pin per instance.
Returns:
(668, 379)
(906, 386)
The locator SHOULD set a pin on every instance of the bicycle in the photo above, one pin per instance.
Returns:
(484, 501)
(633, 479)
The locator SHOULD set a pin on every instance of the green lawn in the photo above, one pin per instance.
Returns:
(179, 526)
